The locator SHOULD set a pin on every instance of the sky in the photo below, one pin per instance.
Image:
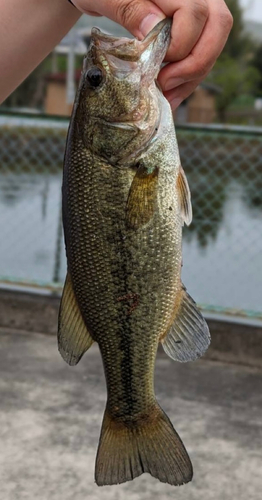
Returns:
(252, 9)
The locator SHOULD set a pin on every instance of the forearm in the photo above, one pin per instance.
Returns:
(29, 29)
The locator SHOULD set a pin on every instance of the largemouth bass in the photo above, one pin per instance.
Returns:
(125, 200)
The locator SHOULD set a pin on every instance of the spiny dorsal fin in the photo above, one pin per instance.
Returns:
(188, 338)
(73, 337)
(184, 197)
(142, 197)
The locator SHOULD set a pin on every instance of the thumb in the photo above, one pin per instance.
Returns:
(137, 16)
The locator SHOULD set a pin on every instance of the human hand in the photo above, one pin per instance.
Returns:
(199, 32)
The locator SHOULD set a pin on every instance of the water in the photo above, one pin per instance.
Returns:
(226, 270)
(30, 225)
(222, 250)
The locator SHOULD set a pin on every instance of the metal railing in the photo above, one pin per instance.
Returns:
(222, 248)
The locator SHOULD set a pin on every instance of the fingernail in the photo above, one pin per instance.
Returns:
(172, 83)
(175, 103)
(149, 22)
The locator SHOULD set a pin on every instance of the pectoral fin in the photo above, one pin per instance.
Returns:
(142, 198)
(188, 337)
(184, 197)
(73, 337)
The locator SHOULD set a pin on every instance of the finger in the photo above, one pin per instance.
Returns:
(92, 13)
(203, 56)
(137, 16)
(189, 19)
(180, 93)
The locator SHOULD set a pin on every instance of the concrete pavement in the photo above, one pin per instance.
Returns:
(50, 416)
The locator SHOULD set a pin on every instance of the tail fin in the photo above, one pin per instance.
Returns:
(126, 451)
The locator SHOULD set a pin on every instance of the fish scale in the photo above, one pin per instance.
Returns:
(125, 198)
(119, 263)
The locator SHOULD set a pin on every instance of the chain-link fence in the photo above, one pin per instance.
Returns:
(222, 248)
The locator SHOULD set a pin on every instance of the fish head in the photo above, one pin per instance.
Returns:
(117, 96)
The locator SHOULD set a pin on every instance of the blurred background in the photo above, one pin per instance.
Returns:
(50, 415)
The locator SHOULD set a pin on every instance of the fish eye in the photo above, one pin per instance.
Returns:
(94, 77)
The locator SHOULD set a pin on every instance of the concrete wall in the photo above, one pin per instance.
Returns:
(231, 342)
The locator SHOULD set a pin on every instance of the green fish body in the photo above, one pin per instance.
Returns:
(125, 199)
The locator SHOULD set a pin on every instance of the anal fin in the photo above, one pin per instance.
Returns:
(73, 336)
(188, 338)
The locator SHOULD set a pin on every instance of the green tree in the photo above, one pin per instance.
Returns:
(233, 72)
(234, 78)
(257, 63)
(238, 42)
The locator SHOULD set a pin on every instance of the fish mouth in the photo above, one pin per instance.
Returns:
(126, 55)
(156, 43)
